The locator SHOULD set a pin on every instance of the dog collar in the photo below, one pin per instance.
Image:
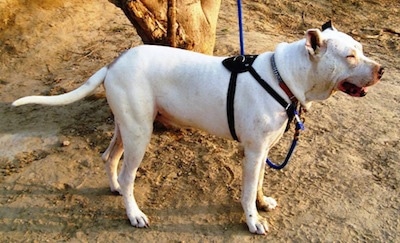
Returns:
(282, 83)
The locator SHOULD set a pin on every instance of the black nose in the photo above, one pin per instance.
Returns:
(380, 72)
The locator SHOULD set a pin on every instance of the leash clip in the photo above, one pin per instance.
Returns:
(299, 122)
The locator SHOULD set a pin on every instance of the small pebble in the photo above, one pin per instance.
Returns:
(66, 143)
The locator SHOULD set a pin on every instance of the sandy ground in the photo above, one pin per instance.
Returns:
(342, 184)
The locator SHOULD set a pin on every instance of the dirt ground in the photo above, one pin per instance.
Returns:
(342, 184)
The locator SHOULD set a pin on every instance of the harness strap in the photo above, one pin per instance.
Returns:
(230, 105)
(290, 108)
(243, 63)
(237, 64)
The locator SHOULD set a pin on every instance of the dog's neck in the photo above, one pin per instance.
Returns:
(282, 83)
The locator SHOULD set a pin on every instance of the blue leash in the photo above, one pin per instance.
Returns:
(299, 123)
(239, 4)
(299, 126)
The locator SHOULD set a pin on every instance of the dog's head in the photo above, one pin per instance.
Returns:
(342, 60)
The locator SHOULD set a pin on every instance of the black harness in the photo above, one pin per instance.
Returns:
(243, 63)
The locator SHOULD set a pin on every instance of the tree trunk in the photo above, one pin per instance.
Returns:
(187, 24)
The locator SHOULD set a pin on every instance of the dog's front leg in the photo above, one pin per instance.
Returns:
(263, 202)
(252, 166)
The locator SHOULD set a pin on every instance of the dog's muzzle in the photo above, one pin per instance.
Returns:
(349, 88)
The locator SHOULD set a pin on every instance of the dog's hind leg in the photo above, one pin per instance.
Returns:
(135, 139)
(133, 105)
(112, 157)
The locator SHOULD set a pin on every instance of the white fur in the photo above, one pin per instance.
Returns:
(190, 89)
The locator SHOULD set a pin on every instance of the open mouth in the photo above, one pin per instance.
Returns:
(352, 89)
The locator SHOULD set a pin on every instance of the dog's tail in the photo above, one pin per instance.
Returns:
(86, 89)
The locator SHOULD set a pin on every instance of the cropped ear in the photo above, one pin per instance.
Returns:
(314, 42)
(328, 25)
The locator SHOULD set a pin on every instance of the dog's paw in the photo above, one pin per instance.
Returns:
(115, 188)
(270, 203)
(139, 220)
(267, 203)
(116, 191)
(257, 224)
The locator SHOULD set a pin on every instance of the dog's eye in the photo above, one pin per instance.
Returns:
(351, 59)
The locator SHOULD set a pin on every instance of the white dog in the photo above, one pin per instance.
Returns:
(190, 89)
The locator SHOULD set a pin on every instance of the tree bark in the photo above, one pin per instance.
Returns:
(186, 24)
(172, 26)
